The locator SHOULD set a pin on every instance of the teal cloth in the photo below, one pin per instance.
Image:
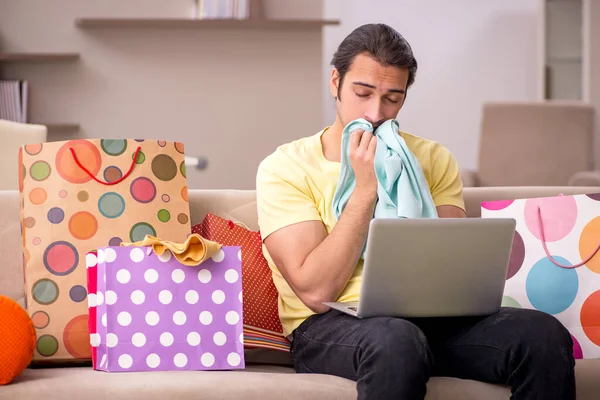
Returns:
(402, 189)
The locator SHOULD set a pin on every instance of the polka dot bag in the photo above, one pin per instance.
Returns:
(151, 313)
(555, 263)
(77, 196)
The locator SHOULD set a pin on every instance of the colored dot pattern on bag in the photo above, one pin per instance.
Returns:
(75, 343)
(56, 215)
(112, 174)
(114, 147)
(47, 345)
(83, 225)
(38, 196)
(164, 215)
(545, 280)
(45, 291)
(164, 167)
(143, 190)
(78, 293)
(590, 317)
(590, 236)
(111, 205)
(40, 170)
(139, 231)
(517, 255)
(554, 228)
(61, 258)
(140, 158)
(87, 153)
(40, 319)
(66, 214)
(572, 231)
(33, 149)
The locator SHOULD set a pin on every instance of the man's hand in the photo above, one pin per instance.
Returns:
(362, 157)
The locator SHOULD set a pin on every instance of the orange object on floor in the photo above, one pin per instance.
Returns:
(17, 340)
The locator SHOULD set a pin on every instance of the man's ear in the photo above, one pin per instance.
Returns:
(334, 83)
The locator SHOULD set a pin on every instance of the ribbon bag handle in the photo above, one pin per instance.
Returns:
(548, 253)
(135, 158)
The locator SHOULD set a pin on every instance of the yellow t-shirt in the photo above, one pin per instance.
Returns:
(297, 183)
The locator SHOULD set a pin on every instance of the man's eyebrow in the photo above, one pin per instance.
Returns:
(401, 91)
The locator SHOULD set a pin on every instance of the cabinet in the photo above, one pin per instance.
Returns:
(562, 51)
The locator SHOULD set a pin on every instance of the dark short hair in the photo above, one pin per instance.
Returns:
(381, 42)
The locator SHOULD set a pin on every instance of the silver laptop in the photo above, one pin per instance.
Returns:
(433, 267)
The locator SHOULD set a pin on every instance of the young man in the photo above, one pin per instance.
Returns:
(316, 258)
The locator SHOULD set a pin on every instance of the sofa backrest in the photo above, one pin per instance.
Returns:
(236, 205)
(521, 142)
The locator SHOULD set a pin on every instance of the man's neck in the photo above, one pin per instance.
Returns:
(331, 141)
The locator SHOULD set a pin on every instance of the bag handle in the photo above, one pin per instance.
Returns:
(548, 253)
(135, 158)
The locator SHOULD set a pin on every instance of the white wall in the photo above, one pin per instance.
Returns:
(230, 95)
(469, 51)
(591, 71)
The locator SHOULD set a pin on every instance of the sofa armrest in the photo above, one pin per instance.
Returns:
(469, 177)
(585, 178)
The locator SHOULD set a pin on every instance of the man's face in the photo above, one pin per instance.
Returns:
(370, 91)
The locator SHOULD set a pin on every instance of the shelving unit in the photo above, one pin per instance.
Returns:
(174, 23)
(255, 20)
(37, 57)
(43, 58)
(60, 127)
(562, 54)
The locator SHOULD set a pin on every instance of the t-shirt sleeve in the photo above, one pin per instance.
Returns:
(446, 182)
(282, 197)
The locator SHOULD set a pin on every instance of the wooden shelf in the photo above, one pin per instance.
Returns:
(203, 23)
(59, 127)
(38, 57)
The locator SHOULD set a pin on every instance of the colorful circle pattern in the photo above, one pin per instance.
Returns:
(164, 167)
(143, 190)
(45, 291)
(112, 174)
(588, 242)
(56, 215)
(40, 319)
(140, 230)
(111, 205)
(61, 258)
(47, 345)
(76, 344)
(113, 147)
(554, 228)
(87, 154)
(517, 255)
(40, 171)
(550, 288)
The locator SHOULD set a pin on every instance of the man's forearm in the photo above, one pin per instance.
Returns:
(329, 267)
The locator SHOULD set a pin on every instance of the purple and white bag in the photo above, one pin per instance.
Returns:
(152, 313)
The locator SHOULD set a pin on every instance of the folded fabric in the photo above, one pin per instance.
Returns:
(402, 188)
(194, 251)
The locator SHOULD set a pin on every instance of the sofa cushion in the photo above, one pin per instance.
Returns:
(255, 382)
(262, 327)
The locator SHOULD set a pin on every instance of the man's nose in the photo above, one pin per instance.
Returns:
(374, 113)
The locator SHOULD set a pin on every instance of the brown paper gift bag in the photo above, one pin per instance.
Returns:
(79, 195)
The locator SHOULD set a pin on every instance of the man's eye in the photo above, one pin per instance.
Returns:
(362, 95)
(393, 101)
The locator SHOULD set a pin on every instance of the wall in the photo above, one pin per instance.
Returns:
(469, 51)
(591, 75)
(229, 95)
